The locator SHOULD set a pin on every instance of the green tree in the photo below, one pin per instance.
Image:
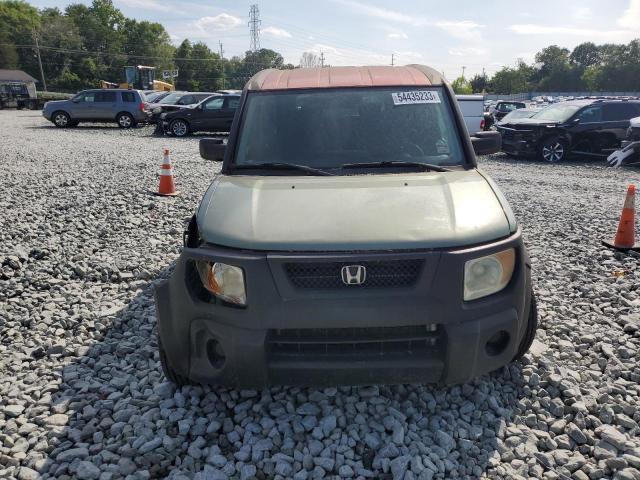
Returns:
(478, 83)
(461, 86)
(585, 55)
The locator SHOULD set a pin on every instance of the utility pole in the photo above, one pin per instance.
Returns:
(463, 69)
(321, 59)
(44, 83)
(254, 27)
(393, 59)
(222, 62)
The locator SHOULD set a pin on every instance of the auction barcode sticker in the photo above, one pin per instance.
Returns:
(415, 96)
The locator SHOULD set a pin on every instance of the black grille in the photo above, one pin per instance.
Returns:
(374, 341)
(379, 274)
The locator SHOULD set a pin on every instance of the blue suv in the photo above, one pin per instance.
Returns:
(124, 107)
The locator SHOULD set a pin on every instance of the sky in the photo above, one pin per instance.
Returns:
(478, 34)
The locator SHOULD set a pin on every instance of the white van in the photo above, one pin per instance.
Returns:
(472, 107)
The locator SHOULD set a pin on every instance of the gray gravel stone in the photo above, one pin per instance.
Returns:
(81, 386)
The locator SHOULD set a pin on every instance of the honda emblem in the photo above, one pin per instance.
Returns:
(353, 274)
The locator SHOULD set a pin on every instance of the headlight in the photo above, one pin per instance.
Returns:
(224, 281)
(487, 275)
(163, 115)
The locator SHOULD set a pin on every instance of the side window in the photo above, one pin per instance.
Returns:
(105, 97)
(128, 97)
(233, 103)
(619, 111)
(591, 114)
(214, 104)
(88, 97)
(186, 100)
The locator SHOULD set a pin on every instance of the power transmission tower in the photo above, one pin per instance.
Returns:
(321, 58)
(254, 27)
(393, 59)
(44, 83)
(222, 62)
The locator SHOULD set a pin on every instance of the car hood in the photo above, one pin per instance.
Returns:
(53, 103)
(359, 212)
(532, 122)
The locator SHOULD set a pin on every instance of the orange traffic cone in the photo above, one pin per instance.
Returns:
(626, 235)
(166, 188)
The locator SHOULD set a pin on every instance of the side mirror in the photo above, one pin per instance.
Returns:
(575, 121)
(212, 149)
(485, 143)
(75, 100)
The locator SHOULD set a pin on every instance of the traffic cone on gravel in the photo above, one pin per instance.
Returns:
(166, 188)
(625, 238)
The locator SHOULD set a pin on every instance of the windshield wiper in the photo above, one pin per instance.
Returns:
(281, 166)
(425, 166)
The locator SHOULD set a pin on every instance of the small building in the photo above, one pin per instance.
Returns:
(19, 77)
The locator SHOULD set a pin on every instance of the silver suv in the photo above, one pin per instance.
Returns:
(349, 239)
(125, 107)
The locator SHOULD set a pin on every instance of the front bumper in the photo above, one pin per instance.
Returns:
(416, 333)
(518, 144)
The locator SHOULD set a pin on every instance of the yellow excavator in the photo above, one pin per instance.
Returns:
(140, 77)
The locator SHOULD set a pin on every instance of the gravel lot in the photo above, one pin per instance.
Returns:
(81, 390)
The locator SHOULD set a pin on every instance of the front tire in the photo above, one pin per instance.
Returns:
(125, 120)
(553, 150)
(530, 331)
(61, 119)
(179, 128)
(168, 370)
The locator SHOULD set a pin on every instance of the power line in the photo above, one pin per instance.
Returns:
(254, 27)
(126, 55)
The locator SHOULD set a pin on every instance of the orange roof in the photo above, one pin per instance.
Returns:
(331, 77)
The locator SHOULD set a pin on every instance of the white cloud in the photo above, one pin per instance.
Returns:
(383, 13)
(396, 35)
(144, 4)
(223, 21)
(464, 29)
(467, 51)
(582, 13)
(534, 29)
(631, 17)
(275, 32)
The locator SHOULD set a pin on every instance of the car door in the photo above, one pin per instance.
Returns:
(106, 104)
(616, 122)
(231, 104)
(82, 105)
(210, 117)
(586, 129)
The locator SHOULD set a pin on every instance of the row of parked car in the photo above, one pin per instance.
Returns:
(176, 113)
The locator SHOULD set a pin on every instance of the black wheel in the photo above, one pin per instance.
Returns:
(530, 332)
(61, 119)
(179, 128)
(553, 150)
(125, 120)
(168, 370)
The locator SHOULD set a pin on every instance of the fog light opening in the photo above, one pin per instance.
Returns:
(215, 353)
(497, 343)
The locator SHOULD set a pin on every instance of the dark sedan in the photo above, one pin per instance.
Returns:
(215, 114)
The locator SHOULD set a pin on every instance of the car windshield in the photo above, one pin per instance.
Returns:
(152, 96)
(559, 112)
(172, 98)
(330, 128)
(520, 113)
